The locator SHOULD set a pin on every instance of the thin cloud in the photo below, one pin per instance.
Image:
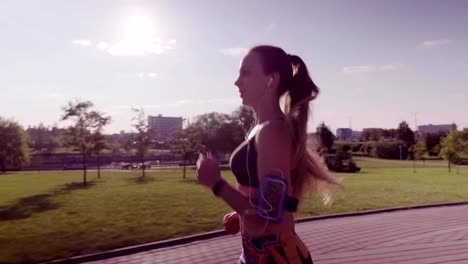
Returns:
(152, 74)
(180, 103)
(102, 45)
(357, 69)
(369, 68)
(147, 75)
(234, 52)
(82, 42)
(436, 43)
(387, 67)
(131, 47)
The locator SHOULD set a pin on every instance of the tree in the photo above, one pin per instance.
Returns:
(208, 126)
(464, 134)
(245, 116)
(389, 150)
(56, 136)
(452, 146)
(80, 134)
(37, 142)
(187, 143)
(433, 142)
(464, 138)
(99, 141)
(420, 150)
(99, 144)
(142, 139)
(38, 138)
(52, 144)
(374, 134)
(128, 144)
(326, 136)
(405, 134)
(41, 140)
(228, 136)
(392, 133)
(13, 145)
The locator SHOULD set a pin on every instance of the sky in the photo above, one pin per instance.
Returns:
(376, 62)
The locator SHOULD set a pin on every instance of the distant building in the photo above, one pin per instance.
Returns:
(356, 135)
(347, 134)
(434, 129)
(165, 126)
(344, 134)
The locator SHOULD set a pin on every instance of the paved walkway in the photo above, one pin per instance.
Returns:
(418, 236)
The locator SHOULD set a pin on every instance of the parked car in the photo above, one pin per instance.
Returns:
(125, 166)
(135, 165)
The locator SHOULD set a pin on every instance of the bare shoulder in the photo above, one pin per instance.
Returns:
(273, 143)
(274, 133)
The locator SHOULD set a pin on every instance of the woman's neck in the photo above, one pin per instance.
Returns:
(270, 110)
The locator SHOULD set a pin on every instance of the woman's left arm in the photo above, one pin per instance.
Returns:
(273, 158)
(273, 169)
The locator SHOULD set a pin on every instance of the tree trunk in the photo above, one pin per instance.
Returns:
(39, 163)
(142, 159)
(414, 165)
(449, 167)
(185, 159)
(84, 169)
(3, 166)
(98, 166)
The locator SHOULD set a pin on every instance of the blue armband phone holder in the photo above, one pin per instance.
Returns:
(273, 194)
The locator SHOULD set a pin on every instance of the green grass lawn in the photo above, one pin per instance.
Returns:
(48, 215)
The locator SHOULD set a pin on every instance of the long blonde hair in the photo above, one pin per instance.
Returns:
(308, 170)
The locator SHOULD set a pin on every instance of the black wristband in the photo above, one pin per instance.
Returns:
(217, 187)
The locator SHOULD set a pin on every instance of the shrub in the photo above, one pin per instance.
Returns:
(389, 150)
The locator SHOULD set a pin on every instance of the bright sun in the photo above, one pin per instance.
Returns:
(139, 29)
(140, 37)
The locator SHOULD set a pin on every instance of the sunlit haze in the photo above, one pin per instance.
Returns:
(376, 62)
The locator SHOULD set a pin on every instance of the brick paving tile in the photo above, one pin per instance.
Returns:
(417, 236)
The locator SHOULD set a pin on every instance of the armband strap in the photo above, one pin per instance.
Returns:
(217, 187)
(273, 198)
(290, 204)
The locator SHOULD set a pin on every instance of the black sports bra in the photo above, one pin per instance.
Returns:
(239, 169)
(239, 164)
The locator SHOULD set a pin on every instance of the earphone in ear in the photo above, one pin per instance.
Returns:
(270, 81)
